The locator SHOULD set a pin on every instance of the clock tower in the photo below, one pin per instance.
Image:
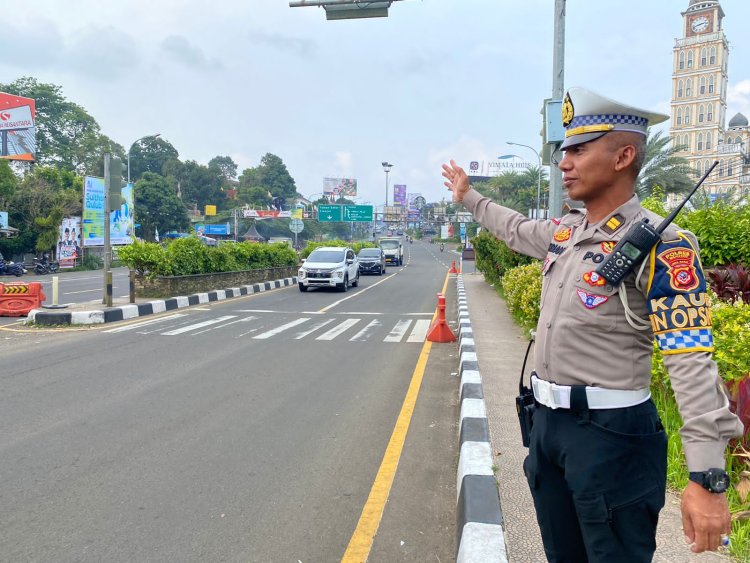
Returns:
(699, 94)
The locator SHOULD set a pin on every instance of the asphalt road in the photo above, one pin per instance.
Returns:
(248, 430)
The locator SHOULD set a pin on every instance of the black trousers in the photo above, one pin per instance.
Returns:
(598, 480)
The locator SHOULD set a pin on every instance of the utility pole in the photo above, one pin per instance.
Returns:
(558, 91)
(107, 261)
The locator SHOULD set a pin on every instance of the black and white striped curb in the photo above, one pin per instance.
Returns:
(124, 312)
(479, 516)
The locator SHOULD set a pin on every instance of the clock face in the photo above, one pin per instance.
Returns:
(700, 24)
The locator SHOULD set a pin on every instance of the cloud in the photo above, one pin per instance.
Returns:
(344, 161)
(32, 43)
(303, 48)
(182, 51)
(738, 97)
(102, 53)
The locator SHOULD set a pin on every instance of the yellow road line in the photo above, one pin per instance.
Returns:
(361, 541)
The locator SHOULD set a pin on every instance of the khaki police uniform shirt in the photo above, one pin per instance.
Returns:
(583, 336)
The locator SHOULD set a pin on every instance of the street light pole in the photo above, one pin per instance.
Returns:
(539, 178)
(131, 148)
(387, 168)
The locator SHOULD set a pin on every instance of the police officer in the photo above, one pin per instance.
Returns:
(597, 458)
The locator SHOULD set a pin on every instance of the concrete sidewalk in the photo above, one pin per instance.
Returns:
(500, 347)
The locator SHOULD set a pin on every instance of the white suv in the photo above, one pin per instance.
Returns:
(329, 266)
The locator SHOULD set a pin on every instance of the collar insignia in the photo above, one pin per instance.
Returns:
(613, 223)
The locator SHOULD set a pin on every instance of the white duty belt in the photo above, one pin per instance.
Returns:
(558, 396)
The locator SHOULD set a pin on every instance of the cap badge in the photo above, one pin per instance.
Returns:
(567, 110)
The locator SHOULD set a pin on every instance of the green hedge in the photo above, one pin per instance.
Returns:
(357, 246)
(190, 256)
(494, 258)
(522, 287)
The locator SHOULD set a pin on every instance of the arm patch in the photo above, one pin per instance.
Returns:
(678, 305)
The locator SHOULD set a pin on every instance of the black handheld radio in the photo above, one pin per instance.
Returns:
(638, 242)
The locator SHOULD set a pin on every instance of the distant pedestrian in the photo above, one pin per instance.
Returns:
(597, 458)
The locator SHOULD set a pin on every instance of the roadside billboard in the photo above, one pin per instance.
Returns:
(69, 242)
(17, 129)
(413, 207)
(334, 188)
(399, 194)
(121, 222)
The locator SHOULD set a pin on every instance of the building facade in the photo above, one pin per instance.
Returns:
(699, 106)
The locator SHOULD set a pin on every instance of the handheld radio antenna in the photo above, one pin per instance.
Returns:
(664, 224)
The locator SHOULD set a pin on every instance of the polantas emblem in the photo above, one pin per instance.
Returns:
(567, 111)
(680, 263)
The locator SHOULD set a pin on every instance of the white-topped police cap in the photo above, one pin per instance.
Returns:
(587, 116)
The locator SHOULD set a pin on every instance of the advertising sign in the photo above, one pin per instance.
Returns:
(69, 242)
(399, 194)
(334, 188)
(222, 229)
(121, 223)
(17, 130)
(263, 214)
(413, 198)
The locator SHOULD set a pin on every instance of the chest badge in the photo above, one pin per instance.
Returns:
(608, 246)
(591, 300)
(562, 236)
(594, 279)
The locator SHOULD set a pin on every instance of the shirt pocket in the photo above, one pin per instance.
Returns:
(591, 305)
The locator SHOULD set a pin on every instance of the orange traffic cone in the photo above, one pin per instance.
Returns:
(439, 330)
(453, 269)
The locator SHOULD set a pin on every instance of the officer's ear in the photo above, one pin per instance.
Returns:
(626, 156)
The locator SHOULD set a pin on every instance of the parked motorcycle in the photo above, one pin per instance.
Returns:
(45, 265)
(10, 268)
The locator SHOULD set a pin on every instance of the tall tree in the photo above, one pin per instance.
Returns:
(158, 207)
(272, 175)
(225, 167)
(514, 190)
(200, 185)
(149, 154)
(8, 184)
(663, 167)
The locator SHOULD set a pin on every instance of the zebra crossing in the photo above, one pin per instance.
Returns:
(353, 329)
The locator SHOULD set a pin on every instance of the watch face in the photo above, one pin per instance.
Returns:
(718, 481)
(700, 24)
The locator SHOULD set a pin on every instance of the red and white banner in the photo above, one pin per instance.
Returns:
(261, 214)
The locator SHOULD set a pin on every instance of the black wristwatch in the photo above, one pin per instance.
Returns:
(714, 480)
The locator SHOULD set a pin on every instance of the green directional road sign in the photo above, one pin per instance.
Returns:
(327, 213)
(358, 213)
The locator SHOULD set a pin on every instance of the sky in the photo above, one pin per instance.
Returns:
(437, 79)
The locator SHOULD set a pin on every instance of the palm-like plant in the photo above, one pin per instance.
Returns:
(663, 167)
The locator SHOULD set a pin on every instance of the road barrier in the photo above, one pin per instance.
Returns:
(453, 269)
(439, 330)
(17, 299)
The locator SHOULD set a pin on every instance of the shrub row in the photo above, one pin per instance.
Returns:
(357, 246)
(189, 255)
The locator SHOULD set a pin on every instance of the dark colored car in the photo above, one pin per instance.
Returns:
(371, 261)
